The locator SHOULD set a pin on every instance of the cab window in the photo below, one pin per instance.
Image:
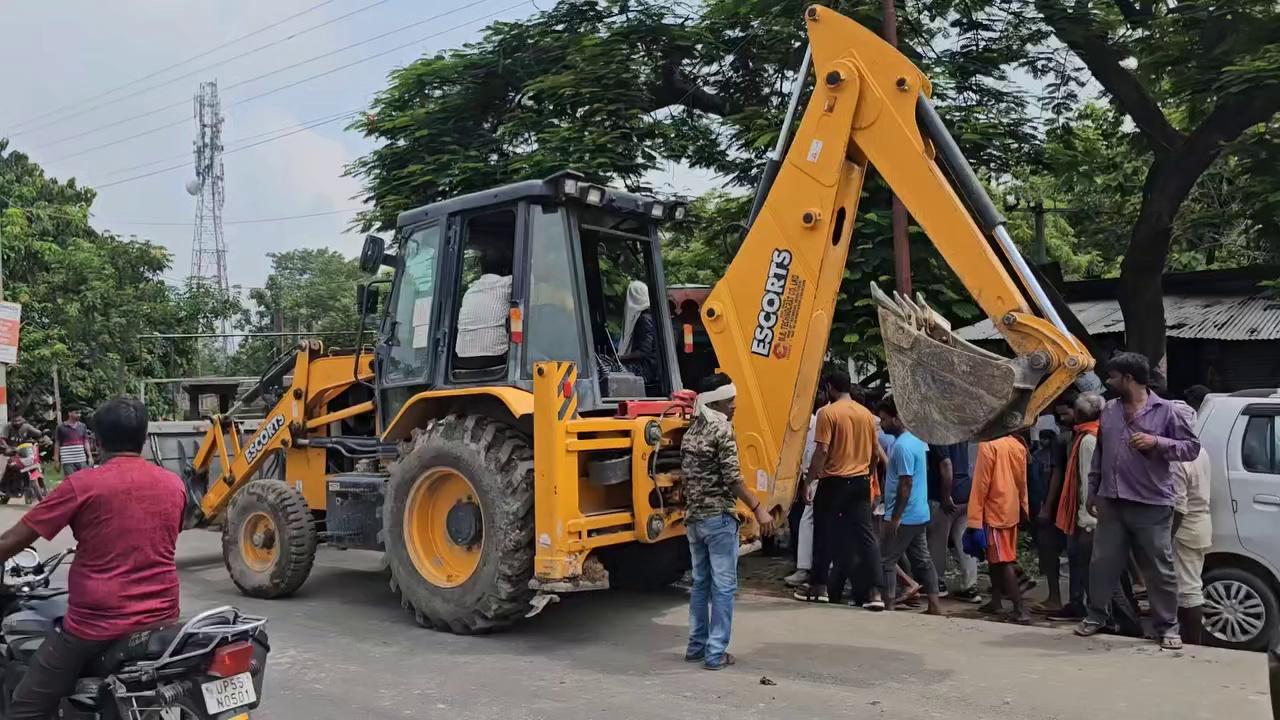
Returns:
(409, 356)
(482, 340)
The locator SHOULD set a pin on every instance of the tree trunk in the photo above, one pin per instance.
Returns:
(1141, 294)
(1169, 181)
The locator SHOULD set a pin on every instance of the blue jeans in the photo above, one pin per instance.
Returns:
(713, 545)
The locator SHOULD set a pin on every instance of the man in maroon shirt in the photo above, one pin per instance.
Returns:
(125, 516)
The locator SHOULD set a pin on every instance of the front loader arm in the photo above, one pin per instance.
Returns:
(317, 379)
(769, 317)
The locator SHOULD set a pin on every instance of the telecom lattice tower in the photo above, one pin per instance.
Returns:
(208, 249)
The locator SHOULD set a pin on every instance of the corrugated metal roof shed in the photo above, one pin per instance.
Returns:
(1208, 317)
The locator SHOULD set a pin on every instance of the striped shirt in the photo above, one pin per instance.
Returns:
(482, 318)
(71, 443)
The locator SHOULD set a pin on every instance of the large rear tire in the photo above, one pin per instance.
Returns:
(458, 525)
(268, 539)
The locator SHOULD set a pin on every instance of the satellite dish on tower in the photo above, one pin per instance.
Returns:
(193, 186)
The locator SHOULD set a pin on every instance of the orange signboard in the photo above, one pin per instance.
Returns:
(10, 321)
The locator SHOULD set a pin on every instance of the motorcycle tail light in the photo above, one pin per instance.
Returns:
(232, 659)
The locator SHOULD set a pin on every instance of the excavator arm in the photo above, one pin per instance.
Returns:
(769, 317)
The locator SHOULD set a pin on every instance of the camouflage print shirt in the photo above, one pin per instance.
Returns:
(710, 463)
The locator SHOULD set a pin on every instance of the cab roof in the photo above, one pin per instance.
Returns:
(550, 188)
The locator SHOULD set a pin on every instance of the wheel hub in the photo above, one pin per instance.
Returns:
(264, 539)
(258, 542)
(444, 527)
(464, 523)
(1233, 612)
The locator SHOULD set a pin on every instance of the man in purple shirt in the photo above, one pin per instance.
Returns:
(1131, 494)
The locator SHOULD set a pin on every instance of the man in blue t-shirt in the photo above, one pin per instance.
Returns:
(906, 509)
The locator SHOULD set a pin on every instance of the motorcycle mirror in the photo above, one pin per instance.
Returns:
(28, 558)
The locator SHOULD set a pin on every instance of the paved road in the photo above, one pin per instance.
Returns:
(343, 648)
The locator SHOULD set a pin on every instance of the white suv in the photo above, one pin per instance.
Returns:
(1241, 432)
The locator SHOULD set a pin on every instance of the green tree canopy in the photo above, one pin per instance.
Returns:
(86, 296)
(311, 292)
(620, 88)
(1196, 80)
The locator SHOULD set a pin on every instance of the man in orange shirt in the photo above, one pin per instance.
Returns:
(845, 449)
(997, 503)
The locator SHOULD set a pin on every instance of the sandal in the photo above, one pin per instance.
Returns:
(1089, 628)
(728, 660)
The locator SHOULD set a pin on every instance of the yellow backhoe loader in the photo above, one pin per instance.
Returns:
(535, 451)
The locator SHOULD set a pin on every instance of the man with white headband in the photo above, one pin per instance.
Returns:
(713, 485)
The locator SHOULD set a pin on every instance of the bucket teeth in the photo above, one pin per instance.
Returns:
(947, 389)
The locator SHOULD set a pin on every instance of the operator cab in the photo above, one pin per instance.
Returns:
(489, 283)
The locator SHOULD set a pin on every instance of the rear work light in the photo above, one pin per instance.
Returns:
(516, 319)
(233, 659)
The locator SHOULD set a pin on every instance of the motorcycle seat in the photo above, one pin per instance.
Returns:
(141, 645)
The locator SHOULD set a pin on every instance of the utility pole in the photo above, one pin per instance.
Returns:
(57, 397)
(1040, 250)
(901, 247)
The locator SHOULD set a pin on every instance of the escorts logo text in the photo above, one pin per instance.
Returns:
(775, 284)
(263, 437)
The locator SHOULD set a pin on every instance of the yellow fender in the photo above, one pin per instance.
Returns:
(431, 404)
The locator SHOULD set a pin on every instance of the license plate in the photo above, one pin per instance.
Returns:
(229, 693)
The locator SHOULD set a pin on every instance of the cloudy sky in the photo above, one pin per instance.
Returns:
(61, 62)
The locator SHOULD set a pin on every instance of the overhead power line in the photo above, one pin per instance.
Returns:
(303, 80)
(250, 221)
(247, 221)
(163, 70)
(291, 66)
(192, 73)
(233, 143)
(294, 131)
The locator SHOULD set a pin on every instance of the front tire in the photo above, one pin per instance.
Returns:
(268, 539)
(637, 566)
(458, 525)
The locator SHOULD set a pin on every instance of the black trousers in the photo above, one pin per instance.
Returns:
(1124, 605)
(843, 538)
(794, 515)
(1050, 542)
(53, 674)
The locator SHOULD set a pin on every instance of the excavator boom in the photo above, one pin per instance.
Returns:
(770, 316)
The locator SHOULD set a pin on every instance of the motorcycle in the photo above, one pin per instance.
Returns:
(23, 475)
(210, 667)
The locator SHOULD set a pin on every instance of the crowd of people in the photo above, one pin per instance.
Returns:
(1121, 488)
